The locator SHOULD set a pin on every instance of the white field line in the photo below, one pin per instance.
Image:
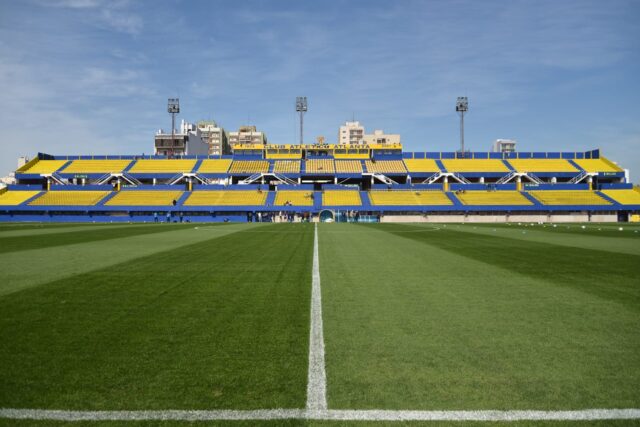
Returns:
(317, 377)
(311, 414)
(325, 232)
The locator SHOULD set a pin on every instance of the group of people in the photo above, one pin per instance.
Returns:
(169, 216)
(353, 216)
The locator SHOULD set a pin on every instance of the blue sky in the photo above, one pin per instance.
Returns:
(93, 76)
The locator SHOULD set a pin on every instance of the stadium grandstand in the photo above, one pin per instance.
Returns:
(379, 182)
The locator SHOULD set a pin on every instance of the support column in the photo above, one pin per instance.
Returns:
(519, 183)
(590, 181)
(445, 186)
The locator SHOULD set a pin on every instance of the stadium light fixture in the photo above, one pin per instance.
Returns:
(462, 106)
(173, 107)
(301, 107)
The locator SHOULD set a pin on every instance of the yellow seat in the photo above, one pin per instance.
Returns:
(163, 166)
(494, 198)
(348, 166)
(227, 198)
(144, 198)
(320, 166)
(44, 167)
(249, 166)
(598, 165)
(474, 165)
(409, 198)
(286, 166)
(96, 166)
(569, 197)
(421, 165)
(542, 165)
(295, 197)
(15, 197)
(341, 198)
(625, 197)
(214, 166)
(385, 166)
(69, 198)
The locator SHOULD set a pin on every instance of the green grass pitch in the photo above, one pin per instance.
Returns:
(416, 317)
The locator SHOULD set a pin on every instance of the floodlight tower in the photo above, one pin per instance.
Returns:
(462, 106)
(301, 107)
(173, 107)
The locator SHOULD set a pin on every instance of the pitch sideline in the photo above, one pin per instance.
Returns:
(326, 415)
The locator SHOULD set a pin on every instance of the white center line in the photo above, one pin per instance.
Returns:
(317, 378)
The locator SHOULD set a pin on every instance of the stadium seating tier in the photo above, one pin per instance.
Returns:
(598, 165)
(542, 165)
(286, 166)
(69, 198)
(320, 166)
(144, 198)
(214, 166)
(492, 198)
(16, 197)
(249, 166)
(96, 166)
(569, 197)
(295, 198)
(385, 166)
(421, 165)
(348, 166)
(45, 166)
(408, 198)
(475, 165)
(226, 198)
(163, 166)
(341, 198)
(625, 197)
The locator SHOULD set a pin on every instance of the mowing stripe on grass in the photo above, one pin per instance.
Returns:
(330, 415)
(68, 236)
(317, 378)
(38, 266)
(63, 229)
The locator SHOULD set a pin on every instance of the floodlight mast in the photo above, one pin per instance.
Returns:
(301, 107)
(462, 106)
(173, 107)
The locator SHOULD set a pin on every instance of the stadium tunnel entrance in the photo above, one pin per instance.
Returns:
(327, 216)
